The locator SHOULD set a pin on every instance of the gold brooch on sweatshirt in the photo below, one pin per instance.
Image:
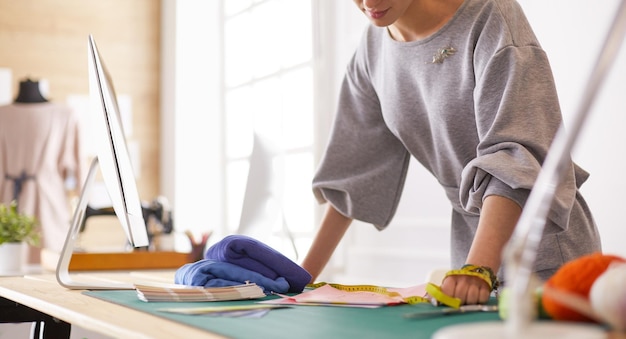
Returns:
(442, 54)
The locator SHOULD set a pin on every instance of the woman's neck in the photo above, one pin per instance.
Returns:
(423, 18)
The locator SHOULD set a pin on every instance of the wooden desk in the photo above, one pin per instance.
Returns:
(44, 294)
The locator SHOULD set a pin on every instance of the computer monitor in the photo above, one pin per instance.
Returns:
(114, 162)
(263, 203)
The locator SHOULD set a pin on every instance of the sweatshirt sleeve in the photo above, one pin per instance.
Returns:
(517, 115)
(363, 170)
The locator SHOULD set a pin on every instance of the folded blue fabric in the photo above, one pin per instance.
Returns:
(256, 256)
(211, 273)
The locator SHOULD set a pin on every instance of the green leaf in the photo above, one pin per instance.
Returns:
(17, 227)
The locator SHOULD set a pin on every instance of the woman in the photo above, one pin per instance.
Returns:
(466, 89)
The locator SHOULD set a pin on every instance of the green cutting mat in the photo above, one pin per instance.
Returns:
(305, 321)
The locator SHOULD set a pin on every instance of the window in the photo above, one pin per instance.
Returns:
(232, 68)
(268, 91)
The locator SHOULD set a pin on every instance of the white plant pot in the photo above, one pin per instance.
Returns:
(11, 258)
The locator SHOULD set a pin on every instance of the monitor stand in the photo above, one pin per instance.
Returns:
(62, 270)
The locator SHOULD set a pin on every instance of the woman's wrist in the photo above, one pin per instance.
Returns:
(483, 272)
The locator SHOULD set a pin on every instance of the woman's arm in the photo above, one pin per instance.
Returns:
(498, 218)
(332, 229)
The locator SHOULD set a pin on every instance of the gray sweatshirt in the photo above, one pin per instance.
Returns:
(476, 105)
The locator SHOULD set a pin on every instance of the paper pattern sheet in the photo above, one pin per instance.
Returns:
(330, 296)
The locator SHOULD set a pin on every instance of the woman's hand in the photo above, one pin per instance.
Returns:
(470, 289)
(498, 218)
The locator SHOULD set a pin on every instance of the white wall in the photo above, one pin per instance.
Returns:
(191, 126)
(572, 33)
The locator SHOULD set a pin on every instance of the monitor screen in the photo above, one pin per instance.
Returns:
(113, 155)
(113, 160)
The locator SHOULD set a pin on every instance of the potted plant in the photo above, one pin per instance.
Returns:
(15, 230)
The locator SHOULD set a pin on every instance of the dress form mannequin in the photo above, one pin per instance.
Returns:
(41, 142)
(29, 92)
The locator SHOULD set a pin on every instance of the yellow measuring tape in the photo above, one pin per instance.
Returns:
(482, 272)
(436, 292)
(372, 288)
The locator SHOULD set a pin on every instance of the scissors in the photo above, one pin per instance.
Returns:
(449, 311)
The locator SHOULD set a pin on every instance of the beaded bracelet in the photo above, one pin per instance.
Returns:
(482, 272)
